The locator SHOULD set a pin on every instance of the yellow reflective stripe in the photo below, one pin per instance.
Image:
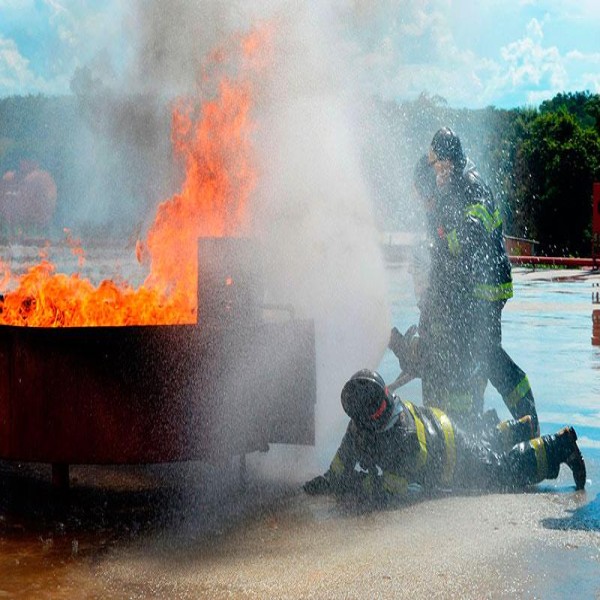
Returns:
(450, 462)
(394, 484)
(337, 466)
(458, 403)
(489, 220)
(493, 293)
(503, 426)
(422, 458)
(453, 243)
(368, 485)
(540, 457)
(507, 435)
(520, 391)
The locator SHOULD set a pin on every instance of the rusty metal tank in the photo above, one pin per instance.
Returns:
(229, 385)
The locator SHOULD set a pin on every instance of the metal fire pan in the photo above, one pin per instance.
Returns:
(147, 394)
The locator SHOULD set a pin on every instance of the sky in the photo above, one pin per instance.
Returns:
(505, 53)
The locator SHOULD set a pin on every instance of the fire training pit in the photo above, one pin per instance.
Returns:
(228, 385)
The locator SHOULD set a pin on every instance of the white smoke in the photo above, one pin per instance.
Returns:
(315, 206)
(312, 206)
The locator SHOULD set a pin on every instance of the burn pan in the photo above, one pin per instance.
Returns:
(230, 385)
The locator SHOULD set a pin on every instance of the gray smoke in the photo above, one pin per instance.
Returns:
(312, 207)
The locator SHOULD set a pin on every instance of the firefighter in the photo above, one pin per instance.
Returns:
(441, 354)
(470, 281)
(391, 443)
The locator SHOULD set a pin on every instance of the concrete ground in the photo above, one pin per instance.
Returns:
(155, 532)
(190, 532)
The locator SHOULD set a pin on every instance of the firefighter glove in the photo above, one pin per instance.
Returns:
(406, 349)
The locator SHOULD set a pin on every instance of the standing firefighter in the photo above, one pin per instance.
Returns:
(469, 283)
(441, 354)
(390, 443)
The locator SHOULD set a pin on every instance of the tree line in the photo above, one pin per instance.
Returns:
(114, 153)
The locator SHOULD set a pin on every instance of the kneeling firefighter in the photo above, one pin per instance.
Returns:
(390, 443)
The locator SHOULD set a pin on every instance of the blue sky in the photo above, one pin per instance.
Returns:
(505, 53)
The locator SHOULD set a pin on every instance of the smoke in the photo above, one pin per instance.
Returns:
(172, 39)
(312, 205)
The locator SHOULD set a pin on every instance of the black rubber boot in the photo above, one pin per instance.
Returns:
(563, 448)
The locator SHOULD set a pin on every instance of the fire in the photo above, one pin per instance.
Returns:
(213, 138)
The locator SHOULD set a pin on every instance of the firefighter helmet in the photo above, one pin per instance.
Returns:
(446, 146)
(366, 400)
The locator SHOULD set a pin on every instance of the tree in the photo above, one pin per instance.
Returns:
(574, 103)
(518, 209)
(562, 160)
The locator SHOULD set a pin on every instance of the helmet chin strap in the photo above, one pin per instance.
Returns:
(380, 410)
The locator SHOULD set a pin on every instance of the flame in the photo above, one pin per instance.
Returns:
(213, 139)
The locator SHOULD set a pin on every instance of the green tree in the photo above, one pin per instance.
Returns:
(577, 104)
(518, 209)
(560, 160)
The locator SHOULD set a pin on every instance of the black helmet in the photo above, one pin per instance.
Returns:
(366, 400)
(446, 146)
(424, 178)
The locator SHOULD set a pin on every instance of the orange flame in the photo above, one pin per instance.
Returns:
(213, 139)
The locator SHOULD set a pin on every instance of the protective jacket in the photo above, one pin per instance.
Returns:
(470, 281)
(422, 445)
(469, 257)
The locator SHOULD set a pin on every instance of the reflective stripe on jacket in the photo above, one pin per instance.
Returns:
(419, 447)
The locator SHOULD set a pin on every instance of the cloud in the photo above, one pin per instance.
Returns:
(530, 63)
(401, 47)
(404, 48)
(564, 9)
(531, 69)
(588, 64)
(415, 47)
(572, 10)
(577, 56)
(43, 43)
(591, 82)
(16, 76)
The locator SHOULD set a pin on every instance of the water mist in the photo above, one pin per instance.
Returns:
(311, 207)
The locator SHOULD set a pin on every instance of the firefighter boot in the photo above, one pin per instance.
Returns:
(562, 448)
(513, 432)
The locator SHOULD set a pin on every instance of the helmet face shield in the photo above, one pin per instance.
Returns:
(366, 400)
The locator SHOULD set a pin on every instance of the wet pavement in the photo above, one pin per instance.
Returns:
(189, 531)
(194, 531)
